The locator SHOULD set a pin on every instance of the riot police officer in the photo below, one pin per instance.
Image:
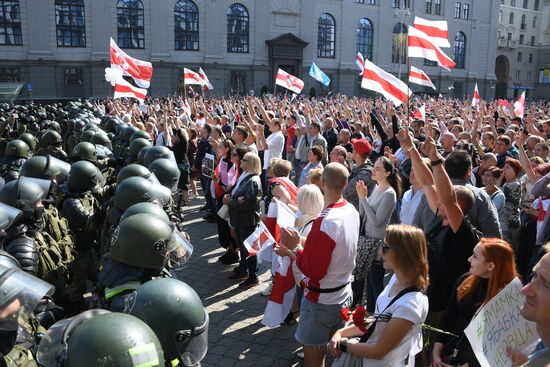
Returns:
(100, 338)
(16, 153)
(175, 313)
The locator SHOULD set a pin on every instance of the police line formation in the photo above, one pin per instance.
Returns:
(91, 243)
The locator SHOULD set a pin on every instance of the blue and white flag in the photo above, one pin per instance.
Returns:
(318, 74)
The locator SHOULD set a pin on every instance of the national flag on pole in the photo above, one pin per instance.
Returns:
(420, 45)
(207, 86)
(360, 62)
(376, 79)
(420, 114)
(476, 98)
(417, 76)
(503, 103)
(289, 82)
(258, 240)
(190, 77)
(125, 89)
(519, 106)
(318, 74)
(140, 71)
(436, 29)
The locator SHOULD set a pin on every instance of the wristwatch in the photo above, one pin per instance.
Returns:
(436, 162)
(343, 345)
(296, 249)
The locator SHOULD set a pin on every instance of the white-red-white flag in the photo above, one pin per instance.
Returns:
(289, 81)
(360, 62)
(190, 77)
(519, 105)
(207, 86)
(420, 114)
(376, 79)
(282, 294)
(125, 89)
(476, 98)
(258, 240)
(420, 45)
(140, 71)
(436, 29)
(417, 76)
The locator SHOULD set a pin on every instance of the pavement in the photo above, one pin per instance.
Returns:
(236, 335)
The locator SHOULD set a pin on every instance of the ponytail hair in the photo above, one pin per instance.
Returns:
(394, 179)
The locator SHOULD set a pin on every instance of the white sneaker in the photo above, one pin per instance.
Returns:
(267, 289)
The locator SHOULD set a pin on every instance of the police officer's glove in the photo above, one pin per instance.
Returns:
(48, 313)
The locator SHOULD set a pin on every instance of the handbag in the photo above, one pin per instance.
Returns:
(223, 213)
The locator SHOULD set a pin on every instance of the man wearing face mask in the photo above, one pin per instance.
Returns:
(19, 329)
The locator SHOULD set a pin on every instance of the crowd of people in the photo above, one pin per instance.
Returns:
(425, 221)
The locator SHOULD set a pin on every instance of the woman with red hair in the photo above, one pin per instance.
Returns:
(492, 267)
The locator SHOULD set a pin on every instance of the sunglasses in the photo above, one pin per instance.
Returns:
(385, 248)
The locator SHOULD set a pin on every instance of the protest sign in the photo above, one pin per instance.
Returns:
(208, 165)
(499, 325)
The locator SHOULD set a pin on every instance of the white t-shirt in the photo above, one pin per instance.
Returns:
(275, 144)
(162, 141)
(413, 307)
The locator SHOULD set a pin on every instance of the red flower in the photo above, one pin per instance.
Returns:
(345, 313)
(359, 316)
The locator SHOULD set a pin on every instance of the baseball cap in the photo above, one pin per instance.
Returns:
(361, 146)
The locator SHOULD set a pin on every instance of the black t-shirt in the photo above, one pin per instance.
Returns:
(448, 255)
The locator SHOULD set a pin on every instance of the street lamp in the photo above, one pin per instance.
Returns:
(402, 15)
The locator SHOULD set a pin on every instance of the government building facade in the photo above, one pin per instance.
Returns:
(60, 48)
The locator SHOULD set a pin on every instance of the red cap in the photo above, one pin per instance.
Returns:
(362, 146)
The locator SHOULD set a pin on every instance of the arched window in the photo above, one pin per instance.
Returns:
(459, 50)
(10, 23)
(500, 16)
(364, 38)
(534, 21)
(70, 22)
(511, 19)
(186, 25)
(131, 29)
(399, 46)
(326, 36)
(237, 29)
(523, 20)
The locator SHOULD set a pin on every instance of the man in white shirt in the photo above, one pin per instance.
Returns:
(411, 199)
(164, 138)
(272, 146)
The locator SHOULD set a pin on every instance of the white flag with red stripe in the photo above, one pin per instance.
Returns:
(519, 105)
(207, 85)
(420, 45)
(125, 89)
(420, 114)
(436, 29)
(190, 77)
(259, 240)
(376, 79)
(360, 62)
(289, 81)
(476, 98)
(282, 294)
(417, 76)
(140, 71)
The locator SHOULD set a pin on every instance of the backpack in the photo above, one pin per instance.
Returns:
(58, 228)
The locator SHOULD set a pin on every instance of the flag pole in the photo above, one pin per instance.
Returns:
(408, 86)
